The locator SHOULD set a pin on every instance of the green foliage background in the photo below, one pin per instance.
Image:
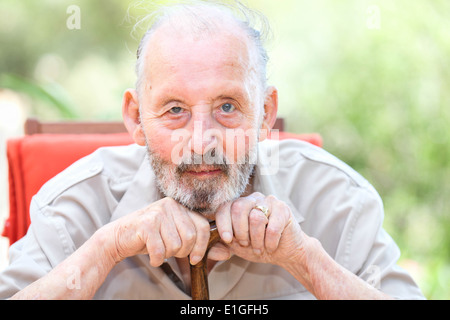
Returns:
(373, 77)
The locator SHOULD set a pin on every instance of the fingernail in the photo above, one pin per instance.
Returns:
(195, 260)
(257, 251)
(243, 243)
(227, 237)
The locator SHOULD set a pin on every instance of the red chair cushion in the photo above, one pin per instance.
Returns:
(35, 159)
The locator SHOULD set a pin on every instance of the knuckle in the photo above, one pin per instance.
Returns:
(167, 200)
(258, 194)
(175, 247)
(189, 235)
(169, 204)
(156, 258)
(237, 207)
(203, 225)
(273, 232)
(158, 252)
(165, 203)
(288, 213)
(148, 221)
(151, 217)
(256, 217)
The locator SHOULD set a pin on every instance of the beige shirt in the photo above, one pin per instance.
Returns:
(330, 201)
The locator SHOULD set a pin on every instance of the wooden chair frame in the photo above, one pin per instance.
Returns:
(34, 126)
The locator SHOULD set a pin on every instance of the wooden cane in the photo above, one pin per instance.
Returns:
(199, 273)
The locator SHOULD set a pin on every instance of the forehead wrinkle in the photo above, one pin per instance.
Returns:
(184, 31)
(185, 59)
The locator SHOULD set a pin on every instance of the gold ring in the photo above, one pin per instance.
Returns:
(264, 210)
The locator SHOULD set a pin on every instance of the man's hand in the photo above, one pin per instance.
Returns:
(278, 239)
(249, 233)
(163, 229)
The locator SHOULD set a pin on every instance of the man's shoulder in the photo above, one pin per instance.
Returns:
(116, 164)
(293, 154)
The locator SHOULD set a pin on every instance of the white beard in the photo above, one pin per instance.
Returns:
(204, 196)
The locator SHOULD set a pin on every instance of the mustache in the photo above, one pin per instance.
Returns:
(211, 160)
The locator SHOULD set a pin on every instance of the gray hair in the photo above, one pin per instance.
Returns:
(198, 15)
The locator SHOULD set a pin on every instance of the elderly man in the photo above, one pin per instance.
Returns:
(125, 222)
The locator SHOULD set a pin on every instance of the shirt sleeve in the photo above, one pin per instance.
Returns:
(369, 252)
(31, 257)
(342, 210)
(61, 220)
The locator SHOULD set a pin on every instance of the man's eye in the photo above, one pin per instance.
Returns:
(176, 110)
(228, 107)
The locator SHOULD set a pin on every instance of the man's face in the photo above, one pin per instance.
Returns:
(200, 118)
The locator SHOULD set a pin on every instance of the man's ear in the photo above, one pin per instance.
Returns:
(270, 112)
(131, 116)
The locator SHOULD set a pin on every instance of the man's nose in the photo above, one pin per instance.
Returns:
(204, 135)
